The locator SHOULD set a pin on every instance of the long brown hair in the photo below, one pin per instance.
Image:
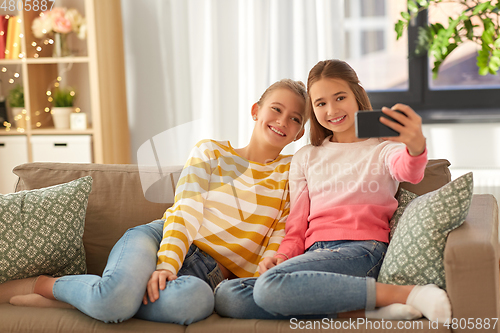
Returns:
(333, 69)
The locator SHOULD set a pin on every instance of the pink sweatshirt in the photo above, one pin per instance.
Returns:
(345, 191)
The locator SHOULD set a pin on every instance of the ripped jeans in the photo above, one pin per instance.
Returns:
(117, 295)
(329, 278)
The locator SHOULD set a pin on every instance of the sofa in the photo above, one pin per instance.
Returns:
(117, 203)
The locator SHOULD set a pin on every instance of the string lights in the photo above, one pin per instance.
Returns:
(21, 118)
(11, 73)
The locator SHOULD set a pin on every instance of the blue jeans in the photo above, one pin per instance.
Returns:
(329, 278)
(117, 295)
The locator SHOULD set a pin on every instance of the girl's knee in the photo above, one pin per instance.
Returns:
(193, 299)
(234, 298)
(225, 294)
(265, 291)
(185, 300)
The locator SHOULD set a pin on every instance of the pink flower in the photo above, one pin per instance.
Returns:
(56, 12)
(62, 25)
(59, 20)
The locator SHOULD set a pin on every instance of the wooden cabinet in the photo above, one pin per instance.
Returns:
(13, 151)
(95, 70)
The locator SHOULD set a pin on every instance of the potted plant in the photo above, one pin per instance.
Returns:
(62, 101)
(439, 41)
(15, 99)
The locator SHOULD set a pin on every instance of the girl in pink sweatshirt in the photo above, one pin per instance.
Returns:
(342, 198)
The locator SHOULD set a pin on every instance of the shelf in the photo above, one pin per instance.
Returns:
(95, 72)
(50, 60)
(53, 131)
(11, 61)
(45, 60)
(11, 132)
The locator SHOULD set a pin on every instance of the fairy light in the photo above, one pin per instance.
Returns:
(38, 124)
(4, 69)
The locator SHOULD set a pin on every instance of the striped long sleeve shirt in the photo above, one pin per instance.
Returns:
(231, 208)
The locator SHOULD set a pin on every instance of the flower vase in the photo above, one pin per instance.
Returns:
(61, 48)
(60, 116)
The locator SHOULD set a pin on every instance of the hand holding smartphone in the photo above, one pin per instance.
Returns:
(368, 125)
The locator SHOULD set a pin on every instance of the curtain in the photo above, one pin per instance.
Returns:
(194, 68)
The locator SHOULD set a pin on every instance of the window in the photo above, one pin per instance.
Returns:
(370, 44)
(391, 73)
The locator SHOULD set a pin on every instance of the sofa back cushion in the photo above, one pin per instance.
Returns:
(436, 175)
(115, 204)
(117, 200)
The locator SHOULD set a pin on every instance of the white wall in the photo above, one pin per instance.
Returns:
(469, 147)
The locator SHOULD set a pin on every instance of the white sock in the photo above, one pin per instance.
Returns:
(432, 301)
(35, 300)
(394, 312)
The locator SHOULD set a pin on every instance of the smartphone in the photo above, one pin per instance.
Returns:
(368, 125)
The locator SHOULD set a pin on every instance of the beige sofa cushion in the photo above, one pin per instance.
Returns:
(15, 319)
(436, 175)
(116, 202)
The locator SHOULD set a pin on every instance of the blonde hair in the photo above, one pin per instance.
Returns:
(297, 87)
(333, 69)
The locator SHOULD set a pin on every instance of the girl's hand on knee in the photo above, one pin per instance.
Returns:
(157, 282)
(268, 263)
(410, 128)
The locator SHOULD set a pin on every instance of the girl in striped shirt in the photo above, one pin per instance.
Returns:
(229, 213)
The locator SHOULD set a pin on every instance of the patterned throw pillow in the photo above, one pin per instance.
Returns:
(41, 231)
(415, 253)
(404, 197)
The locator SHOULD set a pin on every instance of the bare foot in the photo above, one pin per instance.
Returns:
(43, 286)
(13, 288)
(36, 300)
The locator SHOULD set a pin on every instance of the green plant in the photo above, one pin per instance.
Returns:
(16, 97)
(63, 97)
(440, 41)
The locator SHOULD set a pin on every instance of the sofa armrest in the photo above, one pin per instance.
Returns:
(471, 263)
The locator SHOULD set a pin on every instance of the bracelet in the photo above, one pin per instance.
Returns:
(282, 255)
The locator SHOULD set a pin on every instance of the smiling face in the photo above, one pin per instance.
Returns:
(334, 105)
(280, 118)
